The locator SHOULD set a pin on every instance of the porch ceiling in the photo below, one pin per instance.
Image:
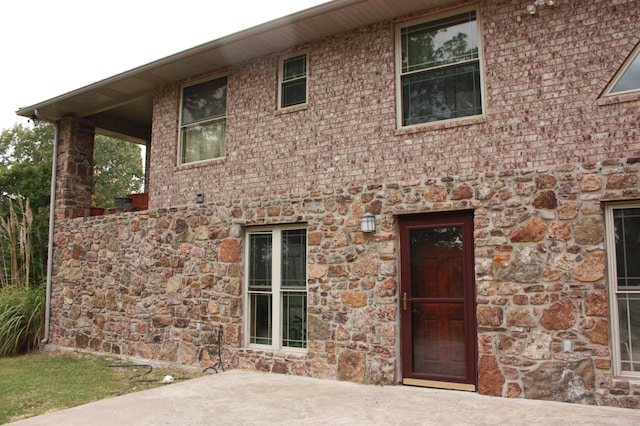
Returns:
(122, 104)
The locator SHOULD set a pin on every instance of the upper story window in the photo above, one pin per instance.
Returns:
(203, 121)
(439, 69)
(628, 78)
(293, 80)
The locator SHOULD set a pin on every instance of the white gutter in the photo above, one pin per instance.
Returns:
(52, 203)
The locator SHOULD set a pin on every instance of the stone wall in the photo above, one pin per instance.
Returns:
(74, 180)
(139, 283)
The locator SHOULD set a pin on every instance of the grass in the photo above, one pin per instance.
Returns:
(40, 382)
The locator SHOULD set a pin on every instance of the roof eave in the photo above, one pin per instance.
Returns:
(305, 26)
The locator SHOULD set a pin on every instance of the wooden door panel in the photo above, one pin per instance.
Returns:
(438, 317)
(438, 331)
(433, 276)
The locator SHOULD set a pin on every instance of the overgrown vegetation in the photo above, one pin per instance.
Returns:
(25, 174)
(15, 243)
(21, 319)
(117, 170)
(21, 298)
(36, 383)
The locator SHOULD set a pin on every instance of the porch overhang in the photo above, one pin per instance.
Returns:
(122, 105)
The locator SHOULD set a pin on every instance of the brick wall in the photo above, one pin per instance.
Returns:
(543, 77)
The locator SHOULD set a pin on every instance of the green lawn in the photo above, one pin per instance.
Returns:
(47, 381)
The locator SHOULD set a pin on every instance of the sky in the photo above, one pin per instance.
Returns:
(51, 47)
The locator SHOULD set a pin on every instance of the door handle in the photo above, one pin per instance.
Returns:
(404, 301)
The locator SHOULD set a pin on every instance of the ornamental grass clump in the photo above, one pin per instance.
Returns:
(21, 319)
(21, 301)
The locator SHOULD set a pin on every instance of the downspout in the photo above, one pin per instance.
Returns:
(52, 203)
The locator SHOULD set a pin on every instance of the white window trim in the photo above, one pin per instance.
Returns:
(622, 71)
(276, 290)
(614, 329)
(179, 161)
(281, 76)
(398, 63)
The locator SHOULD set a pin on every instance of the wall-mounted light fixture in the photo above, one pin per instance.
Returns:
(532, 9)
(368, 223)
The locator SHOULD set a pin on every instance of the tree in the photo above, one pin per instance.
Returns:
(117, 170)
(25, 164)
(25, 174)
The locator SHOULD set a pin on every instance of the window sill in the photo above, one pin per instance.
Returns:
(616, 99)
(294, 108)
(203, 163)
(631, 376)
(440, 125)
(267, 348)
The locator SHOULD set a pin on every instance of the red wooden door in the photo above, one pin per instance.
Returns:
(438, 301)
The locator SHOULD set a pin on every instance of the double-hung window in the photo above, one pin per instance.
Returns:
(439, 69)
(203, 123)
(623, 244)
(276, 290)
(293, 80)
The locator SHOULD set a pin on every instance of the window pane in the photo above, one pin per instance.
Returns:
(437, 258)
(627, 240)
(261, 330)
(204, 100)
(441, 94)
(294, 319)
(204, 141)
(294, 92)
(294, 67)
(294, 258)
(260, 248)
(630, 80)
(629, 319)
(444, 41)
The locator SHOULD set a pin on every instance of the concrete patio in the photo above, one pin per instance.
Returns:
(248, 397)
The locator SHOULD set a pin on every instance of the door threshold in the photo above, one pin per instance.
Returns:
(439, 385)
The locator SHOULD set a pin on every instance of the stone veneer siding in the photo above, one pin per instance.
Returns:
(74, 180)
(138, 283)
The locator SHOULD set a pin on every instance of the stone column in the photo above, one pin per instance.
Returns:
(74, 179)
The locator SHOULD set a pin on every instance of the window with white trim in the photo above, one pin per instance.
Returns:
(439, 69)
(276, 289)
(628, 78)
(293, 80)
(203, 121)
(623, 243)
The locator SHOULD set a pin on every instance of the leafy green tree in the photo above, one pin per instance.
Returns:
(117, 170)
(25, 164)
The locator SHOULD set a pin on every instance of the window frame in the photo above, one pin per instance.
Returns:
(281, 81)
(612, 277)
(633, 56)
(277, 311)
(210, 119)
(399, 72)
